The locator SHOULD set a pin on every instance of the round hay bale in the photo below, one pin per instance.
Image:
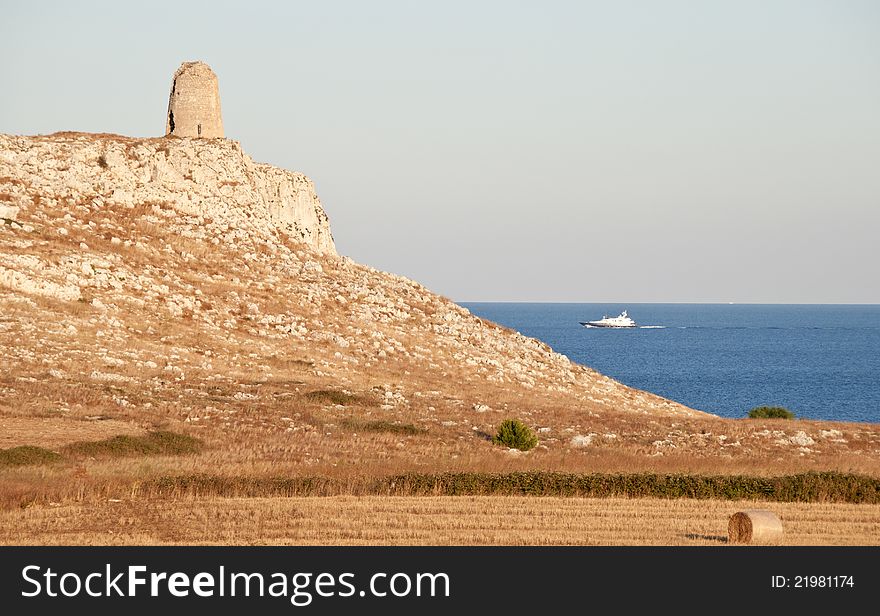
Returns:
(754, 526)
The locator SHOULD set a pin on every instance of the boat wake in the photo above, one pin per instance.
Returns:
(652, 327)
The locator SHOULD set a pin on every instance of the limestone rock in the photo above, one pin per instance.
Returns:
(802, 438)
(581, 440)
(213, 179)
(9, 212)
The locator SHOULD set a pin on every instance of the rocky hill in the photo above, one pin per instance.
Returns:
(210, 179)
(176, 283)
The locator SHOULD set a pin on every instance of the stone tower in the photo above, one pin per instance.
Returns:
(194, 104)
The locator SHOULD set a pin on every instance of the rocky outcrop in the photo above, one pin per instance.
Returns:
(213, 179)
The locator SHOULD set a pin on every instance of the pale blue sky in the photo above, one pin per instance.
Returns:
(548, 151)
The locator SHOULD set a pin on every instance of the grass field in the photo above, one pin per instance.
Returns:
(435, 520)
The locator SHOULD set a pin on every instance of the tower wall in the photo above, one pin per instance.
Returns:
(194, 103)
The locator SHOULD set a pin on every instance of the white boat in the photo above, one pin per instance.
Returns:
(620, 321)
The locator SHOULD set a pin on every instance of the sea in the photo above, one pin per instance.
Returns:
(819, 361)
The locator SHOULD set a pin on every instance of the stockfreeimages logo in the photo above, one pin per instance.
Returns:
(300, 588)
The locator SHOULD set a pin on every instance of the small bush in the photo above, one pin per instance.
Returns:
(384, 426)
(516, 434)
(154, 443)
(332, 396)
(102, 161)
(770, 412)
(27, 455)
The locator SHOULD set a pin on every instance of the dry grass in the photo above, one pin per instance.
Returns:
(52, 430)
(278, 425)
(426, 521)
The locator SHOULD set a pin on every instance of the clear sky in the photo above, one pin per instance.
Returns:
(523, 151)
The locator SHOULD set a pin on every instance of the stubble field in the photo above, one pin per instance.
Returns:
(435, 520)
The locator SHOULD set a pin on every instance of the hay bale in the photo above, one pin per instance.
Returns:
(754, 526)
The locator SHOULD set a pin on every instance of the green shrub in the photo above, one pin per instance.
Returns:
(384, 426)
(154, 443)
(770, 412)
(27, 455)
(332, 396)
(516, 434)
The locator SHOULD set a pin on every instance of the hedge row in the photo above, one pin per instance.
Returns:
(807, 487)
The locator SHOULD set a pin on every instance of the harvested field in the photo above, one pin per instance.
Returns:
(466, 520)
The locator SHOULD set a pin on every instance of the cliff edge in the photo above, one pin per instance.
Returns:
(208, 178)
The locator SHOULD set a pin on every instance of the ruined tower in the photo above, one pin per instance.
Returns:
(194, 104)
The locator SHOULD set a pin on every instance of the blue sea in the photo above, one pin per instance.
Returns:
(820, 361)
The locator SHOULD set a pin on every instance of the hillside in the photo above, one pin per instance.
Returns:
(174, 284)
